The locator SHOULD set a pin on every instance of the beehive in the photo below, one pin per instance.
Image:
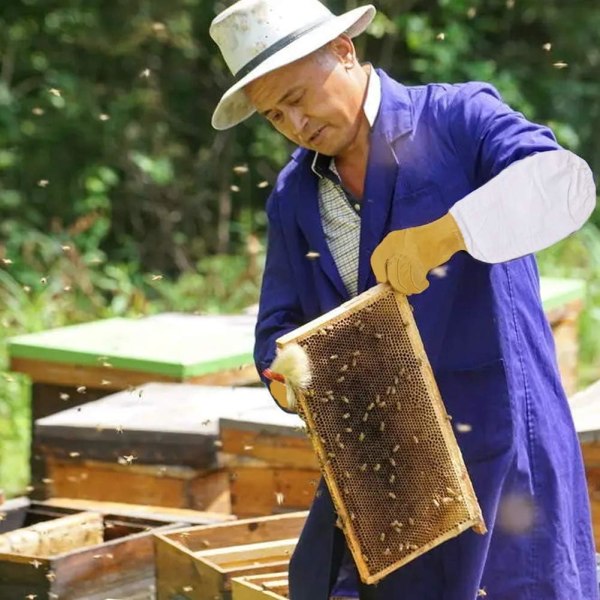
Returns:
(381, 432)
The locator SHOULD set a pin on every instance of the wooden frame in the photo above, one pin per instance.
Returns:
(198, 563)
(472, 517)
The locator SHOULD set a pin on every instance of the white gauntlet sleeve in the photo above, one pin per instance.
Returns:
(530, 205)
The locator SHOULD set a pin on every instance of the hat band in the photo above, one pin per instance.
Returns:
(277, 46)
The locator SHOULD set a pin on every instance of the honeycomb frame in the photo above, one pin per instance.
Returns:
(381, 433)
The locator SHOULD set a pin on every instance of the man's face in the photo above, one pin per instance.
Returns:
(316, 102)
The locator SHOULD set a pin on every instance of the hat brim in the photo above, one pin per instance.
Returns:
(234, 106)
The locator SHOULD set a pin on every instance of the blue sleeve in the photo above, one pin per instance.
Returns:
(279, 307)
(488, 135)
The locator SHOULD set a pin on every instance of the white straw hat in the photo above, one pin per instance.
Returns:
(258, 36)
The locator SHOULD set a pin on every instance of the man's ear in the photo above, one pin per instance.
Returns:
(343, 48)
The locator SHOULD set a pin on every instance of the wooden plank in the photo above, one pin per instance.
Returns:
(51, 538)
(260, 587)
(591, 454)
(275, 451)
(156, 513)
(268, 434)
(244, 553)
(243, 531)
(159, 485)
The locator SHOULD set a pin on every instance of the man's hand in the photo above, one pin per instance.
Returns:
(405, 257)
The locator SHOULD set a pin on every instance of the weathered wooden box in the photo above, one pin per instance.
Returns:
(272, 465)
(157, 444)
(198, 563)
(74, 365)
(272, 586)
(122, 566)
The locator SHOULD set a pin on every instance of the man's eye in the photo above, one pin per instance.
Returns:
(275, 117)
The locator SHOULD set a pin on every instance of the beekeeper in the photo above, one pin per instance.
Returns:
(445, 192)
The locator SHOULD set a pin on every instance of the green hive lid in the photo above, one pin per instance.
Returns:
(175, 345)
(558, 292)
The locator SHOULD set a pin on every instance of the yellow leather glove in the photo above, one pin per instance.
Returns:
(405, 257)
(279, 392)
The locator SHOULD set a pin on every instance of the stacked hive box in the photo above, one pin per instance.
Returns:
(78, 364)
(157, 444)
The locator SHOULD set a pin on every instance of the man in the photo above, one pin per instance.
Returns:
(444, 192)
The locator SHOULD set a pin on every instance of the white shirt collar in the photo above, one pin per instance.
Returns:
(373, 98)
(370, 107)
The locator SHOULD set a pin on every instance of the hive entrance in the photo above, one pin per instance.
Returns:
(381, 433)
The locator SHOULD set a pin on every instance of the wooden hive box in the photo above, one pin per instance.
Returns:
(157, 444)
(272, 465)
(73, 365)
(198, 563)
(585, 407)
(86, 555)
(270, 586)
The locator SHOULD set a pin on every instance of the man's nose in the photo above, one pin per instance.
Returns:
(298, 121)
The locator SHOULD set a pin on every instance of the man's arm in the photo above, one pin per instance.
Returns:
(530, 193)
(279, 307)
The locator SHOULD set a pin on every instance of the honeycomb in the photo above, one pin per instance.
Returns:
(381, 433)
